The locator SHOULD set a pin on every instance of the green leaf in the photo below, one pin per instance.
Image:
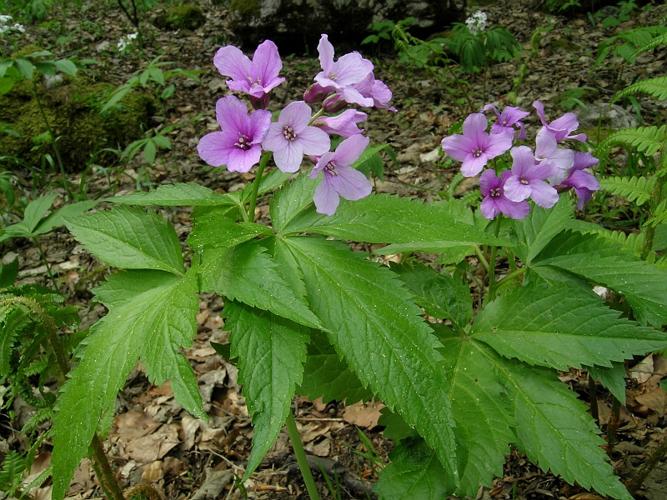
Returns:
(414, 472)
(613, 379)
(561, 327)
(271, 352)
(555, 431)
(137, 327)
(440, 294)
(482, 414)
(8, 273)
(636, 189)
(605, 263)
(648, 140)
(37, 210)
(66, 66)
(150, 151)
(538, 229)
(215, 229)
(176, 195)
(57, 218)
(327, 377)
(129, 238)
(25, 67)
(389, 219)
(291, 201)
(248, 274)
(375, 327)
(655, 87)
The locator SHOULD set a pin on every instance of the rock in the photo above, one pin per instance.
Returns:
(296, 25)
(607, 116)
(72, 109)
(183, 16)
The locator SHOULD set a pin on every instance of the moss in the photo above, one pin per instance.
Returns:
(73, 112)
(247, 8)
(184, 16)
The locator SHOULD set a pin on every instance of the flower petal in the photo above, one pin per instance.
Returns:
(498, 144)
(474, 127)
(322, 162)
(230, 61)
(350, 150)
(545, 143)
(242, 161)
(214, 148)
(488, 181)
(260, 121)
(516, 191)
(314, 141)
(296, 114)
(288, 159)
(326, 198)
(326, 52)
(581, 179)
(458, 146)
(350, 183)
(274, 139)
(266, 63)
(351, 68)
(232, 115)
(543, 194)
(522, 160)
(512, 209)
(488, 208)
(473, 165)
(353, 96)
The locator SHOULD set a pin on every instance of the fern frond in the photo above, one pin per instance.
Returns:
(656, 87)
(648, 140)
(633, 243)
(658, 41)
(636, 189)
(659, 215)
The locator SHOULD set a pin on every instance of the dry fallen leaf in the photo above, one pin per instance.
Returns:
(643, 370)
(363, 414)
(154, 446)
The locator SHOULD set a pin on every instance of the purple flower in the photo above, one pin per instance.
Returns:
(506, 121)
(475, 147)
(344, 124)
(342, 75)
(561, 127)
(527, 179)
(370, 88)
(291, 137)
(317, 93)
(495, 202)
(548, 153)
(239, 144)
(257, 77)
(584, 183)
(340, 178)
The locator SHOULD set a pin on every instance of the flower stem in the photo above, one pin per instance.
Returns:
(319, 113)
(491, 294)
(301, 459)
(264, 160)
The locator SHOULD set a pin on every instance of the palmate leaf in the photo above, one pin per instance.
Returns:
(373, 324)
(291, 201)
(390, 219)
(482, 414)
(248, 274)
(414, 472)
(214, 228)
(613, 379)
(648, 140)
(602, 262)
(129, 238)
(655, 87)
(176, 195)
(327, 377)
(271, 352)
(562, 327)
(155, 318)
(539, 228)
(553, 427)
(636, 189)
(441, 295)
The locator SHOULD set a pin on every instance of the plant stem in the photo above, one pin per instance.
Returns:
(492, 265)
(301, 459)
(655, 201)
(612, 426)
(482, 259)
(255, 186)
(54, 144)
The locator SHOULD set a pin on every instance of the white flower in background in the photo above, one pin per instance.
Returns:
(6, 27)
(476, 22)
(51, 81)
(126, 41)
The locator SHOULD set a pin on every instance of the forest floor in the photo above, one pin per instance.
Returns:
(156, 442)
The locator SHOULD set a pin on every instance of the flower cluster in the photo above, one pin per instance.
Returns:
(126, 41)
(538, 173)
(476, 22)
(297, 133)
(6, 25)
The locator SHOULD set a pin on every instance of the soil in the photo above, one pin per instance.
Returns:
(153, 441)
